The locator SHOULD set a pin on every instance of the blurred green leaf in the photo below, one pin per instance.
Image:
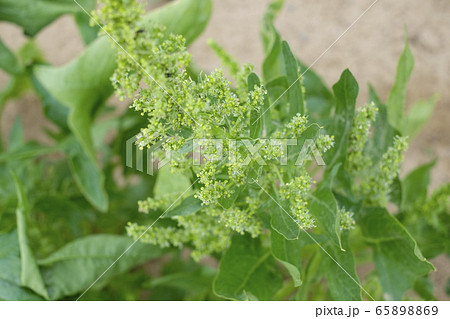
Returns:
(417, 116)
(188, 206)
(10, 270)
(30, 275)
(88, 176)
(170, 183)
(87, 258)
(246, 271)
(186, 17)
(8, 60)
(34, 15)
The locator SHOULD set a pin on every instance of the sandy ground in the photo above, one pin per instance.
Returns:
(370, 48)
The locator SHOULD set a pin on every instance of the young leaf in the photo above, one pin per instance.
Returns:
(288, 252)
(396, 99)
(397, 257)
(345, 92)
(246, 271)
(30, 275)
(87, 258)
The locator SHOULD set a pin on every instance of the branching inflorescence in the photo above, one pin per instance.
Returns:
(183, 111)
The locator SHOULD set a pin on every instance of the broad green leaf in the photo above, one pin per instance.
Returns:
(246, 271)
(397, 257)
(87, 258)
(188, 206)
(295, 89)
(8, 60)
(34, 15)
(255, 115)
(288, 253)
(10, 270)
(415, 186)
(396, 99)
(345, 92)
(417, 116)
(323, 207)
(30, 275)
(340, 272)
(282, 219)
(88, 177)
(81, 86)
(170, 183)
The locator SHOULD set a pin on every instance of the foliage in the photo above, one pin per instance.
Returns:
(264, 222)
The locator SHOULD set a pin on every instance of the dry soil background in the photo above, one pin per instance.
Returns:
(370, 49)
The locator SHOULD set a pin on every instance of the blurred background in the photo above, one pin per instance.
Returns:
(370, 49)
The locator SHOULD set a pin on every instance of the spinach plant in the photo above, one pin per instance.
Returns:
(277, 187)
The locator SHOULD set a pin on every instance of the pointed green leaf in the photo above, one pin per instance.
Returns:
(295, 89)
(396, 99)
(345, 92)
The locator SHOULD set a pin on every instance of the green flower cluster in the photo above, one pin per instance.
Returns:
(359, 134)
(184, 112)
(347, 221)
(376, 186)
(297, 192)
